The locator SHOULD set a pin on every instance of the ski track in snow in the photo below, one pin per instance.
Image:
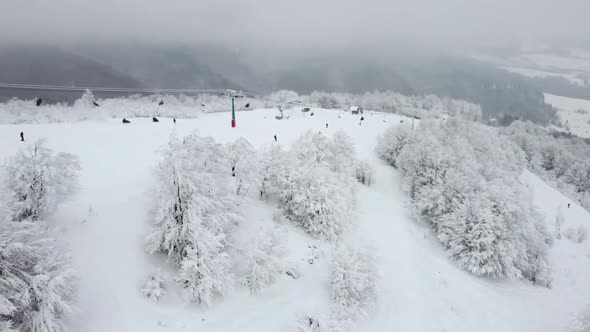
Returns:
(419, 290)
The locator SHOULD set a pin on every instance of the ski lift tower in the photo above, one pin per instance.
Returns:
(233, 94)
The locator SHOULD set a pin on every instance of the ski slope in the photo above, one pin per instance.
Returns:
(419, 289)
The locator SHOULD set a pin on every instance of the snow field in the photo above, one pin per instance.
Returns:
(575, 111)
(419, 288)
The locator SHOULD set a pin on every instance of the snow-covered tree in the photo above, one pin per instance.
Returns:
(561, 159)
(318, 199)
(206, 270)
(265, 262)
(353, 278)
(313, 147)
(154, 287)
(392, 142)
(86, 100)
(276, 165)
(194, 207)
(364, 172)
(37, 284)
(37, 180)
(243, 159)
(474, 202)
(559, 220)
(314, 182)
(342, 157)
(581, 322)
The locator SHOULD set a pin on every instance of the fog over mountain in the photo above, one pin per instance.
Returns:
(412, 47)
(297, 24)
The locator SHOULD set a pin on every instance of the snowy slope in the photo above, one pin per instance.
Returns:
(419, 289)
(575, 111)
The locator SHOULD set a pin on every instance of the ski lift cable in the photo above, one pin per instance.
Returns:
(240, 93)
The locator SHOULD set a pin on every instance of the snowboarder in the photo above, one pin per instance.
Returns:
(326, 125)
(22, 136)
(174, 119)
(39, 101)
(95, 104)
(126, 121)
(275, 138)
(155, 120)
(161, 103)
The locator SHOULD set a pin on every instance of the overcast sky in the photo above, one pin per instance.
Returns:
(438, 23)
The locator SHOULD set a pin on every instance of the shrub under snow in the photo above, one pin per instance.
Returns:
(577, 235)
(265, 262)
(315, 323)
(154, 287)
(37, 180)
(37, 284)
(194, 207)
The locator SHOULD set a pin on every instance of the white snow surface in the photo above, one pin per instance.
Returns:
(419, 288)
(572, 78)
(575, 111)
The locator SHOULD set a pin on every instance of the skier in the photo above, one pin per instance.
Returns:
(95, 104)
(161, 103)
(39, 101)
(275, 138)
(326, 125)
(568, 204)
(233, 171)
(362, 118)
(174, 119)
(22, 136)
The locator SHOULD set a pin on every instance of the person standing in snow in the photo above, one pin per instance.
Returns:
(22, 138)
(39, 101)
(326, 125)
(568, 205)
(275, 138)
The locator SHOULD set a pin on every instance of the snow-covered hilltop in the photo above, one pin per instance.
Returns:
(89, 108)
(296, 223)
